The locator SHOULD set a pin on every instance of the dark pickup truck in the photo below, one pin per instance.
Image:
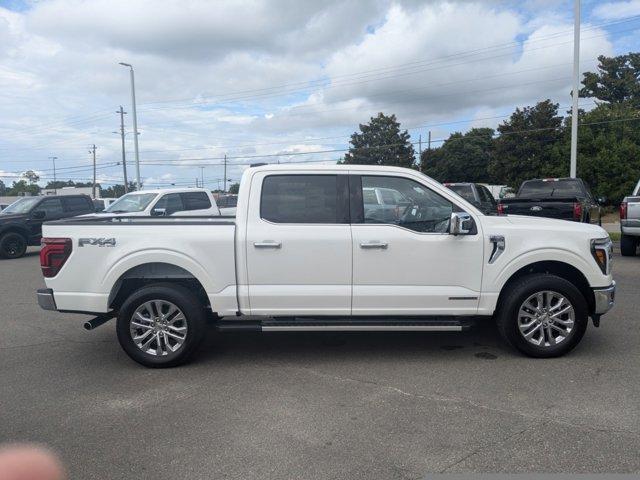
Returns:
(562, 198)
(21, 222)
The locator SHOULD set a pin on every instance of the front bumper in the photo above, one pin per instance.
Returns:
(45, 299)
(605, 298)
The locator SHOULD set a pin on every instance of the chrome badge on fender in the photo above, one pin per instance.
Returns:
(100, 242)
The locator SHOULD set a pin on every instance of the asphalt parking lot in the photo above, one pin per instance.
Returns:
(319, 405)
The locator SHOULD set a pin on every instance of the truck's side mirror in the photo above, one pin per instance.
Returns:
(39, 214)
(159, 212)
(461, 223)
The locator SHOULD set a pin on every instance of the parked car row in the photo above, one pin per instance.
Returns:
(21, 222)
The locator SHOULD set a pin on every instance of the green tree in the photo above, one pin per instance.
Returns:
(529, 146)
(3, 189)
(117, 190)
(21, 187)
(234, 188)
(381, 142)
(31, 176)
(616, 81)
(609, 149)
(463, 157)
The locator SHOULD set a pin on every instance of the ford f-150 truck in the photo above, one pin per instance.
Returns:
(630, 223)
(302, 254)
(562, 198)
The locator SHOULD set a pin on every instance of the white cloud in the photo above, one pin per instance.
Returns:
(617, 10)
(265, 77)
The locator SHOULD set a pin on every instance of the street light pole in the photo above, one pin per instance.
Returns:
(576, 85)
(135, 122)
(124, 157)
(53, 159)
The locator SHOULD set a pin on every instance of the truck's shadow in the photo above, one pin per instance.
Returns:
(481, 341)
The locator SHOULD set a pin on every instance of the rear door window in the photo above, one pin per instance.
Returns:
(301, 199)
(77, 204)
(195, 201)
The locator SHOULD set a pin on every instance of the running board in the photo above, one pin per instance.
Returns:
(345, 325)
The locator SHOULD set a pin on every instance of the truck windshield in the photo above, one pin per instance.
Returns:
(465, 191)
(21, 206)
(551, 188)
(131, 202)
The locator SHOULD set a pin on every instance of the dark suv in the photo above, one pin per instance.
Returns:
(477, 194)
(21, 222)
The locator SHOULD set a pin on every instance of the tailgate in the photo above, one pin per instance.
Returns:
(561, 208)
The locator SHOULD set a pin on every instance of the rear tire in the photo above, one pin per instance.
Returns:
(628, 245)
(12, 245)
(520, 307)
(161, 325)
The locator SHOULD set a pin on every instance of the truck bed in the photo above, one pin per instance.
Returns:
(106, 249)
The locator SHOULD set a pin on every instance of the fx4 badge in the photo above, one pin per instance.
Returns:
(100, 242)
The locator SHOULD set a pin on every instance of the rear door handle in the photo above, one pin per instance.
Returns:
(374, 244)
(267, 244)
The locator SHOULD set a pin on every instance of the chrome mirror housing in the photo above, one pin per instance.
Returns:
(461, 223)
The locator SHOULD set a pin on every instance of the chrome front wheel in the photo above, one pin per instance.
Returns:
(546, 318)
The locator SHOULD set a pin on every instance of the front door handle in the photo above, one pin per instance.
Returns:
(374, 244)
(267, 244)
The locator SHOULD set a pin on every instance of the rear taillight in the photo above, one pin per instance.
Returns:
(53, 254)
(623, 211)
(577, 211)
(500, 209)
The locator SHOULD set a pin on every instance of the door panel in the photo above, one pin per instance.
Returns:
(416, 273)
(299, 255)
(410, 265)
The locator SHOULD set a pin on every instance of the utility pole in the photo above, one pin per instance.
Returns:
(135, 123)
(576, 84)
(420, 152)
(93, 151)
(225, 173)
(429, 142)
(124, 159)
(202, 177)
(53, 159)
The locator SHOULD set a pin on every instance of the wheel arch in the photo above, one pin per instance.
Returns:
(151, 273)
(561, 269)
(15, 228)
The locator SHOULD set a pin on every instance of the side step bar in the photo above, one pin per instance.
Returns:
(346, 325)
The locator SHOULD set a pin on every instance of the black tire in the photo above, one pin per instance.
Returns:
(12, 245)
(507, 317)
(195, 319)
(628, 246)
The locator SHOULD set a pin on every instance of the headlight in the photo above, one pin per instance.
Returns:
(601, 249)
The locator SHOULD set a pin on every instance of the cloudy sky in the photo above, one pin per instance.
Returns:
(280, 80)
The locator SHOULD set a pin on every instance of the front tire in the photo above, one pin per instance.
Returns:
(542, 315)
(161, 325)
(12, 245)
(628, 245)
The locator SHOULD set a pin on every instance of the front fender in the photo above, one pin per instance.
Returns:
(547, 255)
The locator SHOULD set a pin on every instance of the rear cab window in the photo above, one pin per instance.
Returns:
(567, 187)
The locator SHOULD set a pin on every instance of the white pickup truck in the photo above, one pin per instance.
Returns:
(165, 202)
(303, 254)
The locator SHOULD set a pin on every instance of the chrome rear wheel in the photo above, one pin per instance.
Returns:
(158, 327)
